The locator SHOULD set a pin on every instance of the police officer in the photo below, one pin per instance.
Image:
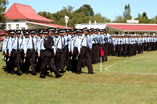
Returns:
(60, 55)
(49, 54)
(15, 54)
(84, 52)
(30, 52)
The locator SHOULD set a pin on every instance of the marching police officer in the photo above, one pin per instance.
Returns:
(49, 54)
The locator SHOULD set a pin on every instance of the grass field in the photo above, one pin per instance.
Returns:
(130, 80)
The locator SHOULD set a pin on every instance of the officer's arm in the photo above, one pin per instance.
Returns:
(72, 46)
(39, 48)
(4, 46)
(10, 48)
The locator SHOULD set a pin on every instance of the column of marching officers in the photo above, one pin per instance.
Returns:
(72, 47)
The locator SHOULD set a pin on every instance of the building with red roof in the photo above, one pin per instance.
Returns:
(131, 27)
(20, 16)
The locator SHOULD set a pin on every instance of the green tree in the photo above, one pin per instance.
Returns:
(86, 9)
(3, 6)
(127, 12)
(119, 19)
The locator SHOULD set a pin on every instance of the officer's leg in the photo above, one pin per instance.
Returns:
(44, 65)
(53, 66)
(33, 56)
(88, 61)
(83, 50)
(17, 62)
(62, 64)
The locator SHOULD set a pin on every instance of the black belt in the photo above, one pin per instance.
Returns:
(85, 46)
(16, 50)
(59, 49)
(31, 50)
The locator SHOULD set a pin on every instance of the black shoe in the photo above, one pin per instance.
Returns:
(42, 76)
(27, 72)
(77, 73)
(62, 71)
(92, 73)
(46, 72)
(19, 73)
(59, 75)
(34, 73)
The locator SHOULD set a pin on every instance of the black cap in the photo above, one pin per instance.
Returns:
(85, 29)
(51, 29)
(56, 32)
(32, 32)
(78, 31)
(18, 32)
(45, 32)
(41, 32)
(106, 29)
(67, 30)
(12, 32)
(95, 30)
(62, 31)
(74, 32)
(26, 33)
(57, 29)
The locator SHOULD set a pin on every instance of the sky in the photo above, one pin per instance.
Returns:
(107, 8)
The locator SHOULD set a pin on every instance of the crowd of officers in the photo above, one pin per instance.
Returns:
(72, 47)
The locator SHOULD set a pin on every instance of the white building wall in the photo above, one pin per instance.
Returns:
(13, 23)
(98, 25)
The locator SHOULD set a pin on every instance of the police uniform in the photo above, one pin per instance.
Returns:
(60, 55)
(30, 51)
(49, 56)
(14, 50)
(83, 42)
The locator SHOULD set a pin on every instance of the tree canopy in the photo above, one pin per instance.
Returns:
(3, 6)
(82, 15)
(85, 14)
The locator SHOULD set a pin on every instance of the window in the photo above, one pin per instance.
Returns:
(17, 26)
(16, 20)
(9, 26)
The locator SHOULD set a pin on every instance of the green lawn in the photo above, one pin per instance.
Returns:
(130, 80)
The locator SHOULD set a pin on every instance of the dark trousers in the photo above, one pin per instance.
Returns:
(106, 50)
(48, 61)
(16, 56)
(30, 55)
(135, 47)
(84, 55)
(103, 48)
(148, 46)
(119, 50)
(97, 53)
(125, 49)
(60, 57)
(74, 60)
(40, 60)
(94, 54)
(139, 48)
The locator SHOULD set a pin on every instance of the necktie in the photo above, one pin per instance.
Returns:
(125, 40)
(33, 44)
(17, 43)
(86, 40)
(62, 43)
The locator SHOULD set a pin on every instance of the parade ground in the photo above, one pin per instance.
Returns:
(129, 80)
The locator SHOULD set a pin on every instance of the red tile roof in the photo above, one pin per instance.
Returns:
(134, 27)
(20, 11)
